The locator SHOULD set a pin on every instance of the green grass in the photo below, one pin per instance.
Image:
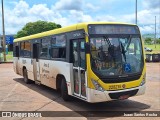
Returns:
(9, 56)
(10, 53)
(155, 50)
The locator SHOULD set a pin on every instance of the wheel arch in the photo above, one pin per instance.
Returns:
(24, 67)
(59, 79)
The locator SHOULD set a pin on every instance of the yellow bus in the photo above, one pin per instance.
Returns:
(94, 61)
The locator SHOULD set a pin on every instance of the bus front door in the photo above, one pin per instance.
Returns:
(79, 80)
(36, 69)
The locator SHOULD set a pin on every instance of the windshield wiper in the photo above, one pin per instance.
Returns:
(110, 48)
(107, 39)
(123, 48)
(129, 42)
(123, 52)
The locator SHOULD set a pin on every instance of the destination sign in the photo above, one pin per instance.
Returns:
(113, 29)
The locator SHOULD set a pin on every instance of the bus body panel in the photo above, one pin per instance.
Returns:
(49, 69)
(108, 86)
(21, 66)
(26, 63)
(98, 96)
(16, 65)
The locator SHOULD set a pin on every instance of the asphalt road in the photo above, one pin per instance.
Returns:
(15, 95)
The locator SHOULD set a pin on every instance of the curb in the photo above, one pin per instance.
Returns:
(5, 62)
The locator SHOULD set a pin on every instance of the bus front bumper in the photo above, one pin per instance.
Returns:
(99, 96)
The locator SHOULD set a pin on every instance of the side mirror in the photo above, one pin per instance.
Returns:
(87, 48)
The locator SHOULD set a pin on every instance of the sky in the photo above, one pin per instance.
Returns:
(67, 12)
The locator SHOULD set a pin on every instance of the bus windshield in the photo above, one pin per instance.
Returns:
(116, 55)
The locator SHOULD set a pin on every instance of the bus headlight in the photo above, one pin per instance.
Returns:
(144, 80)
(97, 85)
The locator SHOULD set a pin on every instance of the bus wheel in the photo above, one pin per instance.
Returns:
(25, 76)
(64, 90)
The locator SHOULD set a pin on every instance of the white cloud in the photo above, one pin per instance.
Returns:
(79, 16)
(147, 29)
(102, 18)
(92, 7)
(41, 11)
(68, 5)
(151, 4)
(146, 17)
(21, 8)
(130, 18)
(67, 12)
(16, 18)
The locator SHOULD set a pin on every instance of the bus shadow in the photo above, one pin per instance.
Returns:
(89, 110)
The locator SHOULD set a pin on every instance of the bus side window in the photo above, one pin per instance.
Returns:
(54, 52)
(44, 52)
(62, 52)
(58, 46)
(27, 49)
(22, 49)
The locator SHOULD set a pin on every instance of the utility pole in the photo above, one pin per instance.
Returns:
(159, 21)
(155, 32)
(136, 13)
(3, 29)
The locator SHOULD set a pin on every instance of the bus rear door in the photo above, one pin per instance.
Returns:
(36, 69)
(16, 59)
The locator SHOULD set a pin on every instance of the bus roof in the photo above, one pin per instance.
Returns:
(64, 29)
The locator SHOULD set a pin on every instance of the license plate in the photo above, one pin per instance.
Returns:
(123, 97)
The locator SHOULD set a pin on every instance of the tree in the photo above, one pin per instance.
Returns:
(36, 27)
(158, 41)
(148, 41)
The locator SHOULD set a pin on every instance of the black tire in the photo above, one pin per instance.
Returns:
(25, 76)
(64, 90)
